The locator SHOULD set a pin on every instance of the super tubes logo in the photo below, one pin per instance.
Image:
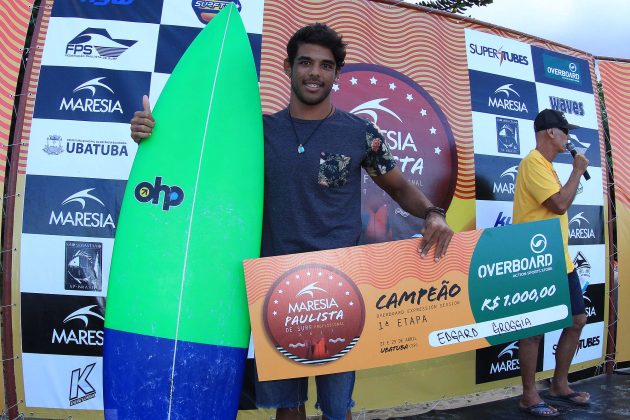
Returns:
(314, 314)
(172, 195)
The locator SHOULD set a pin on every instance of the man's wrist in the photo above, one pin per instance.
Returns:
(435, 210)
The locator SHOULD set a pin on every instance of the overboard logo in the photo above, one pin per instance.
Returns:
(519, 267)
(54, 145)
(84, 266)
(97, 43)
(561, 69)
(417, 133)
(80, 336)
(314, 314)
(206, 10)
(507, 136)
(81, 389)
(567, 106)
(145, 192)
(498, 54)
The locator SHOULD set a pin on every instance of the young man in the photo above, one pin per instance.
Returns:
(313, 159)
(539, 195)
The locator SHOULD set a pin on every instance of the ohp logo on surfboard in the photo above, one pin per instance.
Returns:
(145, 192)
(314, 314)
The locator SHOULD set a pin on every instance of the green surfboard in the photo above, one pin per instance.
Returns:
(176, 325)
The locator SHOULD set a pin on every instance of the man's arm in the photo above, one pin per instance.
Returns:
(560, 202)
(413, 201)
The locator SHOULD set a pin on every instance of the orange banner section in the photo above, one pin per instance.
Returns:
(13, 27)
(616, 83)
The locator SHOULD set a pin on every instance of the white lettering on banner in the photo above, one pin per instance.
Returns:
(514, 266)
(499, 326)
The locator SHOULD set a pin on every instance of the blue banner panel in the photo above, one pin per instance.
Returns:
(89, 94)
(72, 206)
(586, 141)
(495, 177)
(124, 10)
(586, 225)
(174, 40)
(561, 70)
(500, 95)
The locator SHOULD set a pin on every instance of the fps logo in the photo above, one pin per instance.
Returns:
(507, 136)
(145, 192)
(97, 43)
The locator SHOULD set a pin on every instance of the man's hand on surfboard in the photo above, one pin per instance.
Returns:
(142, 122)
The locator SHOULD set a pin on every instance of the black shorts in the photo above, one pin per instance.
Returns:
(575, 291)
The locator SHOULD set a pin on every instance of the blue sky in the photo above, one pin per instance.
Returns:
(598, 27)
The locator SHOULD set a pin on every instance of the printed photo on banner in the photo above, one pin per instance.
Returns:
(496, 135)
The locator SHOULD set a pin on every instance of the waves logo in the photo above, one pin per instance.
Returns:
(84, 266)
(508, 136)
(97, 43)
(95, 103)
(54, 145)
(206, 10)
(314, 314)
(145, 192)
(417, 133)
(567, 106)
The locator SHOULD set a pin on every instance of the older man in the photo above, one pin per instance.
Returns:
(539, 195)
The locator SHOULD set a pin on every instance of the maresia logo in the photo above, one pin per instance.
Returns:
(84, 266)
(314, 314)
(72, 206)
(500, 95)
(63, 324)
(417, 133)
(172, 196)
(499, 362)
(206, 9)
(586, 225)
(97, 43)
(88, 94)
(495, 177)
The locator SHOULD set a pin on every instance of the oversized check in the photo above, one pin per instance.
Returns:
(367, 306)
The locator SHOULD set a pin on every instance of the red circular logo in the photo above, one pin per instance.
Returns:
(418, 135)
(314, 314)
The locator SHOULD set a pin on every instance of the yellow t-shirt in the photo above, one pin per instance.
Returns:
(536, 181)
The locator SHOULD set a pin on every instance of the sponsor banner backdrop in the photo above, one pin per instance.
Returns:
(616, 85)
(72, 382)
(324, 312)
(68, 265)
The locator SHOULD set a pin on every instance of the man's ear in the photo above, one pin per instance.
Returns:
(287, 67)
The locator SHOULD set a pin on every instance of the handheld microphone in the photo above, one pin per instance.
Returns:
(571, 149)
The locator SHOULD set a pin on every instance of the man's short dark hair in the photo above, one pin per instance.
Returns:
(318, 34)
